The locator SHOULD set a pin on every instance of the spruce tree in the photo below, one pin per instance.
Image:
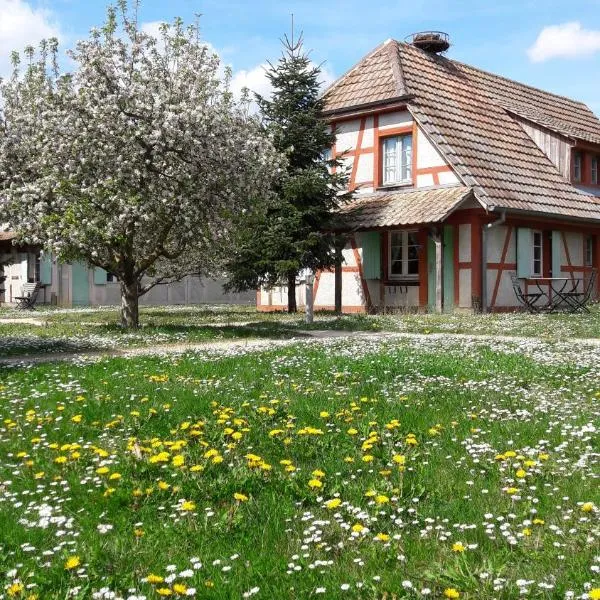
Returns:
(296, 230)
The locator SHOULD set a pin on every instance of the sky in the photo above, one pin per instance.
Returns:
(551, 44)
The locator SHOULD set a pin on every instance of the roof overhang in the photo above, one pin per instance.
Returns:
(385, 210)
(369, 107)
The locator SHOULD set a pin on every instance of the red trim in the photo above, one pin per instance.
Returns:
(505, 266)
(376, 152)
(501, 266)
(357, 154)
(476, 263)
(434, 170)
(391, 131)
(363, 282)
(415, 146)
(567, 254)
(596, 261)
(423, 287)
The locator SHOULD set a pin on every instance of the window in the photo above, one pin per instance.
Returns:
(588, 252)
(577, 166)
(536, 269)
(404, 255)
(397, 159)
(110, 278)
(595, 170)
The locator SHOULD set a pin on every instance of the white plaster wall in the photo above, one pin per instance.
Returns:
(368, 135)
(395, 119)
(464, 243)
(464, 288)
(400, 296)
(425, 180)
(447, 178)
(326, 291)
(364, 170)
(427, 155)
(495, 243)
(575, 245)
(506, 295)
(347, 135)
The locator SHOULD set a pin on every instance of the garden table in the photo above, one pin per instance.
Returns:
(568, 293)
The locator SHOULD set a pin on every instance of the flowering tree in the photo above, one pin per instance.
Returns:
(137, 162)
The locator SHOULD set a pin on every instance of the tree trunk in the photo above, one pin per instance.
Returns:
(292, 308)
(338, 279)
(130, 295)
(310, 313)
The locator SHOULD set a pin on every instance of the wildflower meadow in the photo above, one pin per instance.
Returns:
(362, 468)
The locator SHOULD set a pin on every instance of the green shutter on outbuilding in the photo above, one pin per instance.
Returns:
(448, 271)
(431, 270)
(99, 276)
(524, 252)
(371, 255)
(46, 269)
(556, 244)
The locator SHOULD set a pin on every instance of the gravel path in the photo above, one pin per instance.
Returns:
(267, 344)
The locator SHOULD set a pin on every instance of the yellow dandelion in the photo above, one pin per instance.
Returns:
(164, 592)
(15, 589)
(451, 593)
(333, 503)
(240, 497)
(154, 578)
(178, 460)
(188, 506)
(315, 484)
(588, 507)
(458, 547)
(382, 537)
(594, 594)
(521, 473)
(358, 528)
(180, 589)
(72, 562)
(114, 476)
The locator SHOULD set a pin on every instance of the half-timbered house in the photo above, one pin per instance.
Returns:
(460, 177)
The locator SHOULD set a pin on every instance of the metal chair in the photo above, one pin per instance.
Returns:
(29, 298)
(527, 299)
(578, 300)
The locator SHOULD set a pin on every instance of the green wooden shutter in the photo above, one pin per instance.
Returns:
(431, 271)
(524, 252)
(46, 269)
(371, 255)
(556, 244)
(99, 276)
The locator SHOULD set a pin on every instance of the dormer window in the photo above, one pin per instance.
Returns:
(595, 170)
(577, 166)
(397, 160)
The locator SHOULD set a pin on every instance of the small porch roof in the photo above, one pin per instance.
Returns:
(403, 207)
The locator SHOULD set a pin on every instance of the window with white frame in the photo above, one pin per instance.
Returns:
(536, 267)
(595, 170)
(588, 252)
(397, 159)
(404, 255)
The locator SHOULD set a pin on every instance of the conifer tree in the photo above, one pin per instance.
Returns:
(296, 230)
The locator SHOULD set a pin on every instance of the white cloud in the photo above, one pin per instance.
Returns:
(568, 40)
(22, 25)
(255, 80)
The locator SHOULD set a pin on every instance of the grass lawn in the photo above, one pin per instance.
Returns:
(370, 469)
(93, 329)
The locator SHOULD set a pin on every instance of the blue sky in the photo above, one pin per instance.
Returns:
(552, 44)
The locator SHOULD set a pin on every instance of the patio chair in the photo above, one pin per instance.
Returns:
(578, 300)
(29, 298)
(527, 299)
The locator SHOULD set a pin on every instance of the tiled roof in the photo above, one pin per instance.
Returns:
(390, 209)
(375, 78)
(465, 112)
